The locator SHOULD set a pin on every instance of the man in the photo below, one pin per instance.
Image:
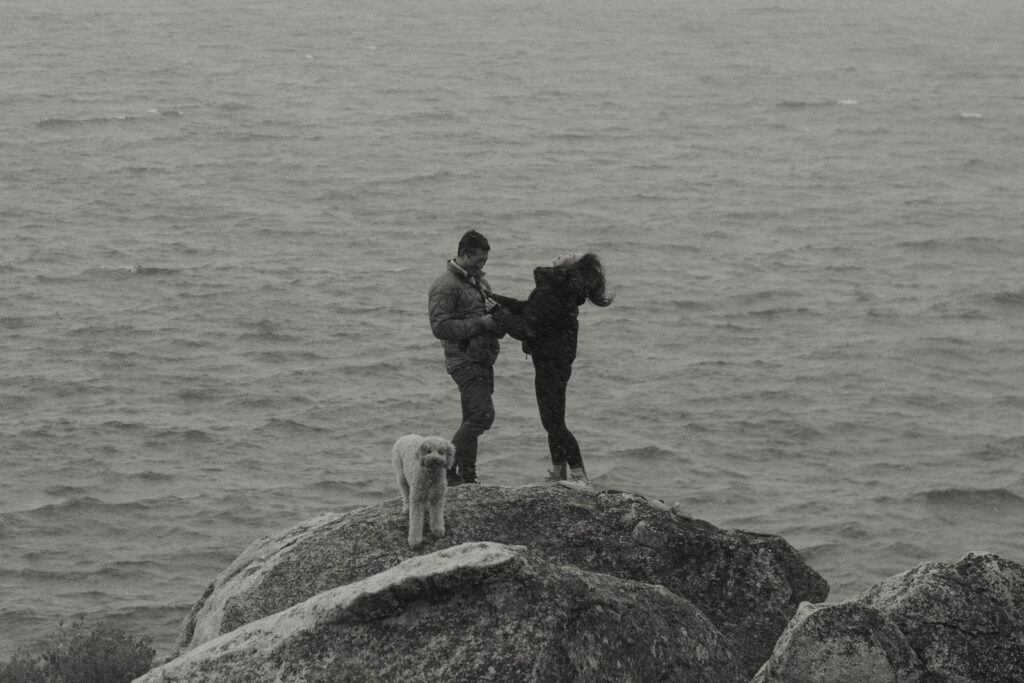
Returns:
(458, 305)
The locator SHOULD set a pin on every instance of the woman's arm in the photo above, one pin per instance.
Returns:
(514, 306)
(515, 325)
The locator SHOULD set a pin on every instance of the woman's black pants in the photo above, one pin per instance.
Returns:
(550, 381)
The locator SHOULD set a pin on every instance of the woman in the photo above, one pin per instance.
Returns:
(546, 324)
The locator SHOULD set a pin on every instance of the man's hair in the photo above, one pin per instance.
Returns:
(473, 241)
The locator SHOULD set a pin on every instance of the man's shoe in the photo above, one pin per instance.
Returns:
(467, 475)
(453, 477)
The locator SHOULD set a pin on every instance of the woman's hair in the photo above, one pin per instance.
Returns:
(588, 276)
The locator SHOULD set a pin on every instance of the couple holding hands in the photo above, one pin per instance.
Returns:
(469, 319)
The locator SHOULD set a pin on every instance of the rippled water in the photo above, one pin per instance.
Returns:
(221, 219)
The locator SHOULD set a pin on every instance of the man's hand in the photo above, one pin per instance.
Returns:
(488, 322)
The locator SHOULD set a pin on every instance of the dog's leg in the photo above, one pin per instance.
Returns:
(404, 486)
(416, 510)
(399, 465)
(436, 511)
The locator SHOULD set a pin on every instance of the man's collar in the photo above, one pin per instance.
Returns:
(462, 272)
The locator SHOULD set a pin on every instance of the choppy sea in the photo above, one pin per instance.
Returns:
(220, 219)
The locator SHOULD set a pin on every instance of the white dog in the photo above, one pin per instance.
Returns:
(421, 463)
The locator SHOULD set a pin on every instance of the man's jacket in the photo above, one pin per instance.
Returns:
(456, 305)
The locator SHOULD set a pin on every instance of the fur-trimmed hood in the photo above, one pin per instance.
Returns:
(561, 282)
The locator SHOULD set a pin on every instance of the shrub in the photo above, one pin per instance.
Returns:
(23, 668)
(102, 654)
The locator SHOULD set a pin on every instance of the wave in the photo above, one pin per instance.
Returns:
(199, 394)
(13, 323)
(91, 274)
(979, 244)
(374, 369)
(978, 306)
(121, 331)
(58, 122)
(570, 137)
(150, 475)
(42, 576)
(87, 573)
(127, 569)
(532, 213)
(80, 513)
(971, 498)
(433, 177)
(648, 453)
(70, 123)
(813, 104)
(291, 426)
(118, 425)
(336, 487)
(269, 357)
(782, 311)
(257, 402)
(267, 330)
(1008, 450)
(766, 294)
(64, 491)
(445, 115)
(267, 336)
(337, 196)
(354, 309)
(136, 269)
(690, 305)
(235, 136)
(769, 9)
(61, 426)
(819, 552)
(1009, 298)
(179, 435)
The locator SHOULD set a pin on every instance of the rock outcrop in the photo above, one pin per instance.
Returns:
(568, 584)
(841, 643)
(748, 585)
(937, 622)
(965, 621)
(473, 612)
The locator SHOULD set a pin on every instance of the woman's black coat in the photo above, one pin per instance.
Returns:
(546, 322)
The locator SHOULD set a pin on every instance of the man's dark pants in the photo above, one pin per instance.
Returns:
(476, 386)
